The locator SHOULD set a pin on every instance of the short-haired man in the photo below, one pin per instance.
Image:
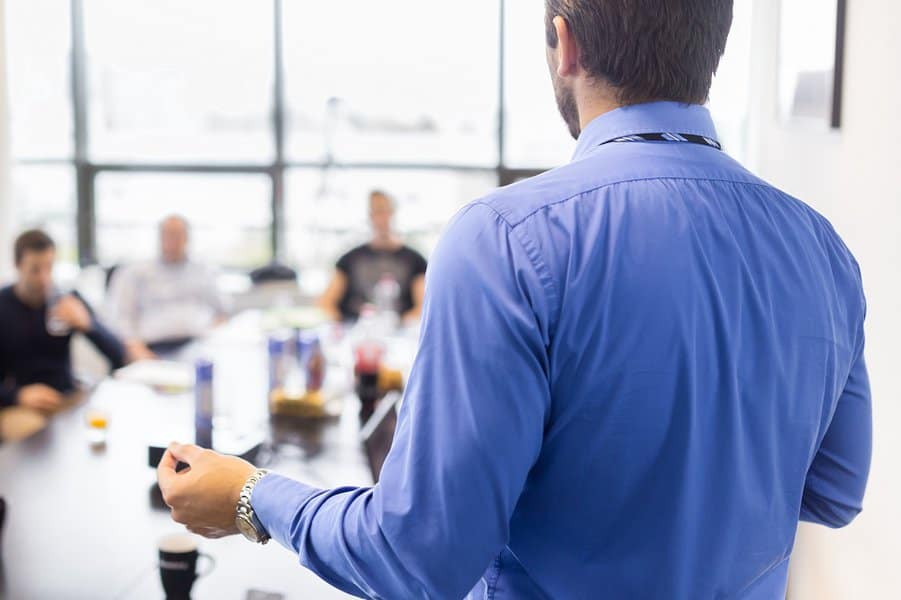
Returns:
(159, 305)
(636, 374)
(37, 326)
(359, 273)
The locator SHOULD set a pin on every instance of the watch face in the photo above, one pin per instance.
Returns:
(246, 528)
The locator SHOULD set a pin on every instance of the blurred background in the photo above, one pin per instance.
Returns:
(266, 128)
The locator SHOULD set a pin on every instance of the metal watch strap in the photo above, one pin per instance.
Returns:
(245, 508)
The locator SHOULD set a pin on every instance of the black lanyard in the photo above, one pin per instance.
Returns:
(684, 138)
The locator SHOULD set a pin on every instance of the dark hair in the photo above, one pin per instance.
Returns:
(647, 49)
(33, 240)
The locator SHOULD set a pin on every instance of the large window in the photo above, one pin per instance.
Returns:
(229, 215)
(175, 81)
(45, 198)
(535, 135)
(267, 122)
(38, 70)
(41, 124)
(392, 81)
(326, 210)
(730, 93)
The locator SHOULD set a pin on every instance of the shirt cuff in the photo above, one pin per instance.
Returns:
(277, 502)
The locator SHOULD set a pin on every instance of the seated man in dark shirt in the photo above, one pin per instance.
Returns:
(382, 271)
(37, 326)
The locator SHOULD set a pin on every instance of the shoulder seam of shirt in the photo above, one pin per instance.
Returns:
(633, 180)
(540, 267)
(827, 224)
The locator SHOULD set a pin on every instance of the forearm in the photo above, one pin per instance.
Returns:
(330, 300)
(107, 343)
(336, 536)
(330, 309)
(413, 314)
(417, 289)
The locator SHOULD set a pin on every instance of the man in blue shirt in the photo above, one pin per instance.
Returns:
(636, 372)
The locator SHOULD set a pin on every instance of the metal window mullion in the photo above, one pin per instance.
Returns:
(501, 91)
(838, 73)
(84, 173)
(278, 129)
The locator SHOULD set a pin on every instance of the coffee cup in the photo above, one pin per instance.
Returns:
(178, 555)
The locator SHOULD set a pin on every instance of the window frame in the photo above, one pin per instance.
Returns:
(86, 170)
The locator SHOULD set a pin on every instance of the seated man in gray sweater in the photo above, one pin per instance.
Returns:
(159, 305)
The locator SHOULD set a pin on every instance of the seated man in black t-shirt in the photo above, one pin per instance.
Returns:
(37, 326)
(384, 272)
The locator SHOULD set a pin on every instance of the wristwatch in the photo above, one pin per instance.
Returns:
(246, 519)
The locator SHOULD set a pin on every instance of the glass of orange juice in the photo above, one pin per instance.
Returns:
(97, 420)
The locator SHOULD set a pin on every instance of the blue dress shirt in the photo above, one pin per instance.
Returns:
(636, 373)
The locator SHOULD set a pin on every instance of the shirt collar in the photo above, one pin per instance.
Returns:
(653, 117)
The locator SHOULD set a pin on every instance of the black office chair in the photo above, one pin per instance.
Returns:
(109, 273)
(274, 272)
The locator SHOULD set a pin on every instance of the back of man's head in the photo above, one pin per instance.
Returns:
(33, 240)
(647, 50)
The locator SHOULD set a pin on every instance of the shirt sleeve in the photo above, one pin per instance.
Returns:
(344, 263)
(8, 391)
(104, 340)
(419, 263)
(469, 431)
(837, 478)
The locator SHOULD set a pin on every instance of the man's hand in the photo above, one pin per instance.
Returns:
(137, 350)
(73, 313)
(39, 397)
(204, 496)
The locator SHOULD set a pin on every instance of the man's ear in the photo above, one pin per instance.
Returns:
(566, 54)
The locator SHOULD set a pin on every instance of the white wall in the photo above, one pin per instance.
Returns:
(6, 209)
(853, 177)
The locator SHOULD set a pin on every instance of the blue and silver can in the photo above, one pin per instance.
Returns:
(277, 374)
(203, 403)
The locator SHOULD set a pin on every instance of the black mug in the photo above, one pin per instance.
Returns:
(178, 565)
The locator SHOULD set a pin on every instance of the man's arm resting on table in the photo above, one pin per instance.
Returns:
(74, 311)
(333, 294)
(107, 343)
(417, 292)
